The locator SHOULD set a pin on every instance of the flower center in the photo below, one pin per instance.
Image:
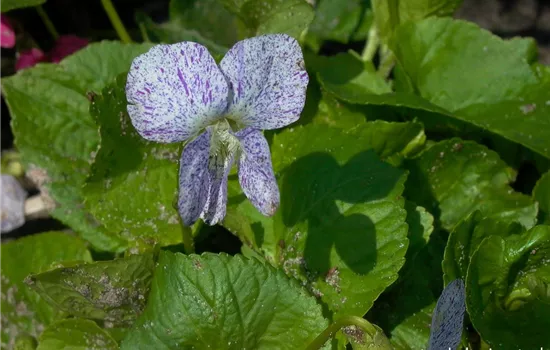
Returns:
(224, 147)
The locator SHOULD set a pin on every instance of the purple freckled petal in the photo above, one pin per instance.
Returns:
(269, 81)
(194, 181)
(256, 172)
(202, 191)
(215, 208)
(173, 85)
(448, 316)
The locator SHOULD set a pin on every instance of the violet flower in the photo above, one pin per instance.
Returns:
(177, 93)
(7, 35)
(29, 58)
(64, 46)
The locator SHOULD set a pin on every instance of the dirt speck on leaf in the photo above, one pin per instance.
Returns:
(528, 108)
(333, 278)
(355, 333)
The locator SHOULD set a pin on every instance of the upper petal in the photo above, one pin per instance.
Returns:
(174, 91)
(256, 172)
(268, 80)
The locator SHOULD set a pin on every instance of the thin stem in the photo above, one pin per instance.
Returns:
(373, 41)
(115, 21)
(345, 321)
(47, 22)
(143, 32)
(187, 238)
(387, 61)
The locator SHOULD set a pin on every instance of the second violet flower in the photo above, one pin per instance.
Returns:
(177, 93)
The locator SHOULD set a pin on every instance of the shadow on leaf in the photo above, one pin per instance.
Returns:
(320, 191)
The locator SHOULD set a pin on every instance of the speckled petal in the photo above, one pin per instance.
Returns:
(194, 181)
(448, 317)
(215, 208)
(268, 81)
(256, 172)
(12, 204)
(174, 91)
(202, 182)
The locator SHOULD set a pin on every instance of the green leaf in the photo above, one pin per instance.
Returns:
(513, 105)
(467, 236)
(389, 14)
(291, 20)
(508, 290)
(224, 302)
(351, 200)
(233, 6)
(414, 10)
(349, 75)
(52, 98)
(24, 312)
(427, 54)
(337, 114)
(114, 291)
(291, 17)
(25, 342)
(8, 5)
(171, 32)
(420, 228)
(368, 89)
(541, 194)
(453, 178)
(339, 20)
(133, 183)
(344, 90)
(76, 334)
(208, 18)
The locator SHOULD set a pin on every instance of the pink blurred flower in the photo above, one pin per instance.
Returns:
(29, 58)
(66, 45)
(7, 35)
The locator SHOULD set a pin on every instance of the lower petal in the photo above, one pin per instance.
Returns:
(203, 182)
(194, 181)
(215, 208)
(256, 172)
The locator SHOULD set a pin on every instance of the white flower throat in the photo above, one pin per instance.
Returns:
(224, 147)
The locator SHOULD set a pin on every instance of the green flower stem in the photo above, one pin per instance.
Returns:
(387, 61)
(373, 41)
(47, 22)
(143, 32)
(187, 237)
(345, 321)
(115, 21)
